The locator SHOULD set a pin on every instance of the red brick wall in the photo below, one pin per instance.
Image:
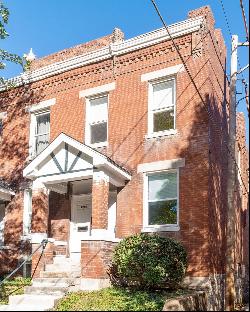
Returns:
(41, 258)
(100, 196)
(95, 258)
(59, 216)
(40, 211)
(202, 180)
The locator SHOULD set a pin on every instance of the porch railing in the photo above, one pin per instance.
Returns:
(42, 245)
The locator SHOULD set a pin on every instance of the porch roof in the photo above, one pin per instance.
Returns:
(66, 159)
(5, 191)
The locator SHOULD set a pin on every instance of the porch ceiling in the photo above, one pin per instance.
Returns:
(66, 159)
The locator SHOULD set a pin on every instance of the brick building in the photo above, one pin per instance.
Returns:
(110, 138)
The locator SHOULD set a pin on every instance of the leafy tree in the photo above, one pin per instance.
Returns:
(5, 55)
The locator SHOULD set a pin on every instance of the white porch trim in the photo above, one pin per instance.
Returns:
(6, 194)
(67, 172)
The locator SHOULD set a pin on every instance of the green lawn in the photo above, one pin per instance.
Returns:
(115, 299)
(13, 287)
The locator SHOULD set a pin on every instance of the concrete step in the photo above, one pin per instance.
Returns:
(74, 274)
(60, 282)
(61, 259)
(54, 290)
(41, 301)
(58, 267)
(21, 307)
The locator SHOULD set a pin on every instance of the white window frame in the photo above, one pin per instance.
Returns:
(161, 227)
(39, 108)
(33, 135)
(88, 124)
(152, 111)
(27, 211)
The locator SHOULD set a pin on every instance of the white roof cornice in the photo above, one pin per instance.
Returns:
(178, 29)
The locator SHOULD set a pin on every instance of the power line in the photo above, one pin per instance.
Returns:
(192, 80)
(244, 19)
(229, 30)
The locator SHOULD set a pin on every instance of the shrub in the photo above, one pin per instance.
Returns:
(148, 261)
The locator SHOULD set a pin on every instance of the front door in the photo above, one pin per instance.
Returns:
(80, 220)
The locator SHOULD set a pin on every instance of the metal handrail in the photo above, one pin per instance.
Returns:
(43, 244)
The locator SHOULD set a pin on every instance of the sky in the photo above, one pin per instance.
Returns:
(48, 26)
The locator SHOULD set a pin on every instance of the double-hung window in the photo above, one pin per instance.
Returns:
(161, 199)
(42, 131)
(97, 120)
(162, 106)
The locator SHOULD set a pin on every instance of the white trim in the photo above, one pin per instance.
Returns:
(88, 125)
(99, 161)
(3, 115)
(161, 165)
(162, 72)
(44, 109)
(161, 134)
(97, 90)
(162, 227)
(176, 30)
(37, 238)
(60, 243)
(27, 211)
(41, 106)
(6, 194)
(152, 111)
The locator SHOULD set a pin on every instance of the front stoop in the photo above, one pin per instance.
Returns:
(59, 278)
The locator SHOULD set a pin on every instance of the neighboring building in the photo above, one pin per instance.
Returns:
(110, 138)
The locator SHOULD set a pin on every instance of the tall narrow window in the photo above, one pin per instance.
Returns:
(162, 106)
(42, 132)
(97, 120)
(162, 202)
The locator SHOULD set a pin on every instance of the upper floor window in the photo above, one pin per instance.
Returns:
(162, 106)
(161, 200)
(97, 120)
(42, 131)
(39, 126)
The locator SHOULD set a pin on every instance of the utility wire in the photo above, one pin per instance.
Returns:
(229, 30)
(194, 84)
(244, 19)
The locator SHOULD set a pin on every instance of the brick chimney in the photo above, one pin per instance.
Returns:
(206, 12)
(117, 35)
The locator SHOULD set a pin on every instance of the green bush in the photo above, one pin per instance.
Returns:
(13, 287)
(148, 261)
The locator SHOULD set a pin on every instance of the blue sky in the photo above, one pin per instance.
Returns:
(52, 25)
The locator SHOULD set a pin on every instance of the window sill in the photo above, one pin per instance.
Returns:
(161, 133)
(161, 228)
(97, 145)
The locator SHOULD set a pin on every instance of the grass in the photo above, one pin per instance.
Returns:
(13, 287)
(116, 299)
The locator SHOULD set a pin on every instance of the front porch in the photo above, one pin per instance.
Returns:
(74, 195)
